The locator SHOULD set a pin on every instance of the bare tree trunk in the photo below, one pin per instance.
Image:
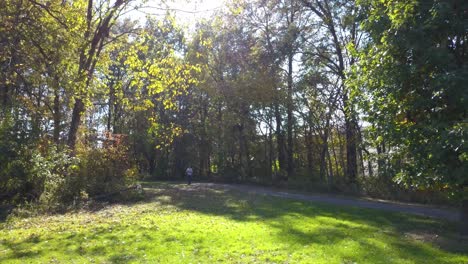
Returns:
(325, 137)
(78, 110)
(369, 163)
(351, 143)
(36, 116)
(330, 179)
(204, 144)
(309, 145)
(342, 154)
(335, 156)
(323, 155)
(381, 167)
(111, 105)
(280, 139)
(361, 151)
(56, 116)
(323, 162)
(361, 159)
(4, 92)
(290, 149)
(247, 154)
(244, 153)
(270, 149)
(221, 151)
(7, 69)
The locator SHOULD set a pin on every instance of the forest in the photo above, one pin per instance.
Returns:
(356, 97)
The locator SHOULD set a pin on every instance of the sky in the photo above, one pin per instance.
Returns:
(187, 12)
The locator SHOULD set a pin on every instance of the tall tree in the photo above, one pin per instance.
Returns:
(411, 82)
(338, 30)
(95, 36)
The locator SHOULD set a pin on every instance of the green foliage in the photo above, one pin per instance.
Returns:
(105, 171)
(411, 83)
(58, 58)
(38, 174)
(53, 172)
(11, 170)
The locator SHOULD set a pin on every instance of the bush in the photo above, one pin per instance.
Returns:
(107, 170)
(385, 188)
(12, 167)
(39, 176)
(54, 172)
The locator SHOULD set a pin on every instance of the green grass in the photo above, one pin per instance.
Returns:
(180, 224)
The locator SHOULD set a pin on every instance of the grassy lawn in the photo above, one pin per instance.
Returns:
(181, 224)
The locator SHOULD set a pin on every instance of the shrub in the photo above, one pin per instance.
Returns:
(106, 171)
(39, 176)
(54, 172)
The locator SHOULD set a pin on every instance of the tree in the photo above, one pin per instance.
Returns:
(230, 91)
(280, 27)
(411, 83)
(95, 37)
(338, 29)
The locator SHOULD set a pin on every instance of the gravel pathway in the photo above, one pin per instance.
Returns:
(417, 209)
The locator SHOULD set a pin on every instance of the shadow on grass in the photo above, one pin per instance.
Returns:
(21, 249)
(339, 223)
(74, 244)
(379, 236)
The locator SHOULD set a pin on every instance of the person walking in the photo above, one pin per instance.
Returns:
(189, 173)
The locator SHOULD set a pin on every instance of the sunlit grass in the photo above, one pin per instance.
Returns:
(181, 224)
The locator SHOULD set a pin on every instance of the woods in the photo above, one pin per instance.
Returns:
(360, 96)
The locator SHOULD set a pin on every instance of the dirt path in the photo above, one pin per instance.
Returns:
(417, 209)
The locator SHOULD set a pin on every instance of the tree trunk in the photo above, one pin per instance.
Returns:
(57, 116)
(78, 110)
(290, 149)
(335, 156)
(4, 94)
(351, 159)
(204, 147)
(323, 162)
(221, 149)
(342, 157)
(323, 157)
(464, 218)
(245, 141)
(36, 116)
(270, 151)
(244, 153)
(280, 139)
(7, 88)
(88, 59)
(369, 163)
(309, 145)
(330, 171)
(361, 159)
(110, 105)
(381, 168)
(351, 142)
